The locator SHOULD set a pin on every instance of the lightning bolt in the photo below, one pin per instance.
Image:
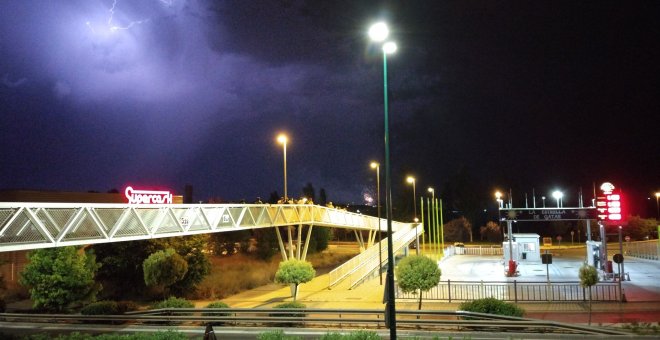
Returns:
(112, 26)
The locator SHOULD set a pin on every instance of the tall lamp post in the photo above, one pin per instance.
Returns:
(378, 33)
(657, 205)
(283, 139)
(411, 180)
(375, 165)
(431, 219)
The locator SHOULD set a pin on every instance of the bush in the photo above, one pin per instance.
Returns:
(126, 306)
(492, 306)
(290, 305)
(173, 302)
(276, 335)
(100, 308)
(358, 335)
(218, 305)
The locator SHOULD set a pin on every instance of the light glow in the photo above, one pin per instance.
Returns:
(389, 47)
(379, 32)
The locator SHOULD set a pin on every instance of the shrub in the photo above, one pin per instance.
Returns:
(100, 308)
(492, 306)
(276, 335)
(173, 302)
(126, 306)
(290, 305)
(217, 305)
(357, 335)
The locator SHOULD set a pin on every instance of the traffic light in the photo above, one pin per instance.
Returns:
(609, 204)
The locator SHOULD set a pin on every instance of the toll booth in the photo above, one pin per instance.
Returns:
(594, 254)
(526, 248)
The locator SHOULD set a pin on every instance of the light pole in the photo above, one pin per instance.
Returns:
(657, 206)
(283, 139)
(378, 33)
(431, 218)
(375, 165)
(558, 195)
(411, 180)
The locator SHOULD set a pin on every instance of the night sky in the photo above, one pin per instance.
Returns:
(96, 95)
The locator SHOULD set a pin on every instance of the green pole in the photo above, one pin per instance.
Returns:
(421, 199)
(437, 227)
(442, 230)
(430, 223)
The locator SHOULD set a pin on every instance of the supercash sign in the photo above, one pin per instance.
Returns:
(609, 204)
(147, 196)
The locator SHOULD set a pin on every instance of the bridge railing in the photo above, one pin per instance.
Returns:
(365, 262)
(649, 250)
(40, 225)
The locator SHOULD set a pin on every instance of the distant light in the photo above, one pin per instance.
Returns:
(557, 194)
(431, 189)
(282, 138)
(389, 47)
(374, 165)
(379, 32)
(410, 179)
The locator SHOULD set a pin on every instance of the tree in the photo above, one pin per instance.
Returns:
(164, 268)
(323, 198)
(58, 277)
(640, 228)
(191, 248)
(458, 230)
(588, 277)
(491, 232)
(417, 273)
(308, 191)
(294, 272)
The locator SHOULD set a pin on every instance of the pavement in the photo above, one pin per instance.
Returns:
(643, 296)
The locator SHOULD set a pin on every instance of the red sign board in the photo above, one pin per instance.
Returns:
(609, 205)
(147, 196)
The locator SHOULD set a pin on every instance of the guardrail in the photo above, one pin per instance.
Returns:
(517, 291)
(351, 318)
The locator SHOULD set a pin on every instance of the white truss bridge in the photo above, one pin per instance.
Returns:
(25, 226)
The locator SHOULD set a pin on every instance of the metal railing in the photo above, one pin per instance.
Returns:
(649, 250)
(364, 263)
(517, 291)
(428, 320)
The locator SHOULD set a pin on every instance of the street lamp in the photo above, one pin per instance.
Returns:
(657, 206)
(375, 165)
(431, 219)
(558, 195)
(378, 33)
(411, 180)
(543, 198)
(283, 139)
(498, 196)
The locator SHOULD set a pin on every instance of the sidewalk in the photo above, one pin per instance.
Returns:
(369, 295)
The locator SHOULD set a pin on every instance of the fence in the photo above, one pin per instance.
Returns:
(643, 249)
(517, 291)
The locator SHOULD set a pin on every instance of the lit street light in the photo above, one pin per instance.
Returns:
(376, 166)
(657, 206)
(558, 195)
(378, 33)
(411, 180)
(431, 219)
(283, 139)
(498, 196)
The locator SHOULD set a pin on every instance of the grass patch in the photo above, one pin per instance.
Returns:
(247, 272)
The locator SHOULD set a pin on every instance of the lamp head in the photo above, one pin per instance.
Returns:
(282, 138)
(374, 165)
(378, 32)
(410, 179)
(389, 47)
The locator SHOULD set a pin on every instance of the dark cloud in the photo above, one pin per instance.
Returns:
(98, 94)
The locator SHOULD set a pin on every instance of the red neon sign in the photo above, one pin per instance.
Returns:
(609, 205)
(147, 196)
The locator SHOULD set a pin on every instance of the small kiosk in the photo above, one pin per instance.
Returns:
(526, 248)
